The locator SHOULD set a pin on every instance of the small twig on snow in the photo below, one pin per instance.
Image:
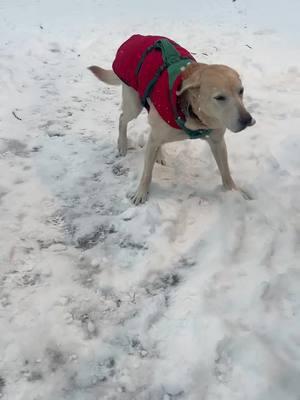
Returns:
(248, 46)
(15, 115)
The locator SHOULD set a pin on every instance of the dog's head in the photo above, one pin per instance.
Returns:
(214, 97)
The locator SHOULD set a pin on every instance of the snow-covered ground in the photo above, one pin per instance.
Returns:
(194, 295)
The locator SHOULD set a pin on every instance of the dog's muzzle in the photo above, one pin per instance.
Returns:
(246, 121)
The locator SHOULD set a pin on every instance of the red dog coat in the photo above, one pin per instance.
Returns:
(126, 64)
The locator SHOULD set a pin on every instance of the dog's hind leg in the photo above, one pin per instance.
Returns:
(131, 108)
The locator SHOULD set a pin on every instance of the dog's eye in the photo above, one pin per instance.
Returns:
(241, 92)
(220, 98)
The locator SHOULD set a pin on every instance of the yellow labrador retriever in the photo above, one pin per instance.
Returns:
(185, 99)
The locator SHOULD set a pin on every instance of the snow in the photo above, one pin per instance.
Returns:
(194, 295)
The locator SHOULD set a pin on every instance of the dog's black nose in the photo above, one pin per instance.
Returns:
(246, 120)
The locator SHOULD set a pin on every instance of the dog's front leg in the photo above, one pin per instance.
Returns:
(151, 150)
(218, 147)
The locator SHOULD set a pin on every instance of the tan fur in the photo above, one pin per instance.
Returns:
(191, 68)
(202, 85)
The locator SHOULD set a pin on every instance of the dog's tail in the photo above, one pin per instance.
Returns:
(105, 75)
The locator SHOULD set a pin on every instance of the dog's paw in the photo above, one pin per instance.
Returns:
(161, 161)
(160, 158)
(245, 194)
(229, 186)
(233, 188)
(122, 146)
(139, 197)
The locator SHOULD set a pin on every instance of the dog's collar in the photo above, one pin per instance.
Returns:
(193, 134)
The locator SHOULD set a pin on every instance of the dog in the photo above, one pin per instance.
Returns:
(185, 100)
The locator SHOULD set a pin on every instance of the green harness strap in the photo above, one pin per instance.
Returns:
(173, 62)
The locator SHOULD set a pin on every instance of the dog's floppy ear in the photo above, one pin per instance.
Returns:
(185, 86)
(191, 77)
